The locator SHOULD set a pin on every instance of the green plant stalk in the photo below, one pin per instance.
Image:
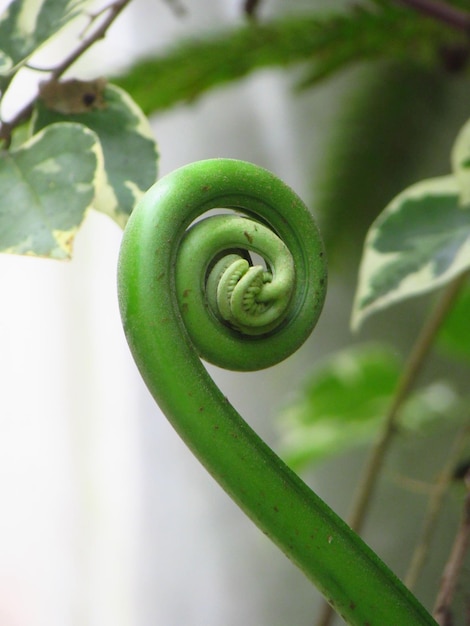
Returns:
(348, 573)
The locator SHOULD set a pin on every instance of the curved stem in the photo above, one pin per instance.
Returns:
(353, 579)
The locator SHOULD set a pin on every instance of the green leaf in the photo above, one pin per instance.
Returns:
(344, 402)
(46, 187)
(454, 335)
(129, 151)
(340, 405)
(326, 42)
(420, 242)
(27, 24)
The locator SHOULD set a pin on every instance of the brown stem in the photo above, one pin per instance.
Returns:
(412, 369)
(453, 17)
(442, 612)
(113, 10)
(435, 504)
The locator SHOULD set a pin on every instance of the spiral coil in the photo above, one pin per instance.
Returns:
(188, 287)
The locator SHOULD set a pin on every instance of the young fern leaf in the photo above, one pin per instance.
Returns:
(159, 288)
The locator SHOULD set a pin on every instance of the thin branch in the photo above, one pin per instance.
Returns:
(435, 504)
(453, 17)
(23, 114)
(114, 10)
(442, 612)
(411, 371)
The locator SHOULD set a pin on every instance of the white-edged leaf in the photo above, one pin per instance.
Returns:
(129, 150)
(26, 25)
(418, 243)
(46, 186)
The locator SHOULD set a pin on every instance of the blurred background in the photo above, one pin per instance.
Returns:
(105, 517)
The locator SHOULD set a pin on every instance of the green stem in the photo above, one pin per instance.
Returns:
(353, 579)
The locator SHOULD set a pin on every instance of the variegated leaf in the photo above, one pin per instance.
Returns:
(46, 187)
(27, 24)
(418, 243)
(130, 152)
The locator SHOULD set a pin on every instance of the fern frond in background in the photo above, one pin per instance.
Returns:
(325, 43)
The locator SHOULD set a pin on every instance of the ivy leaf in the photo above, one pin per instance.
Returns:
(129, 150)
(27, 24)
(46, 187)
(344, 402)
(418, 243)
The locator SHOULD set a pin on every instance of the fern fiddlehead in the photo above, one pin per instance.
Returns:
(190, 289)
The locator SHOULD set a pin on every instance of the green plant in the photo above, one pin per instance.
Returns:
(90, 138)
(159, 289)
